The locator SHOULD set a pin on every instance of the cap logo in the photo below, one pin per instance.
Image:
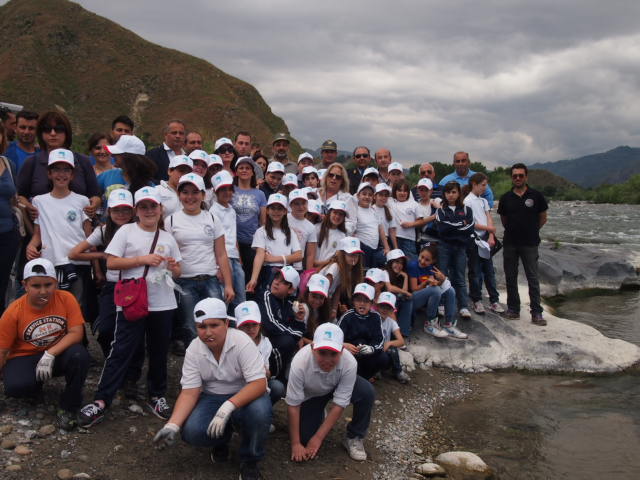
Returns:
(245, 309)
(121, 196)
(321, 281)
(328, 335)
(199, 313)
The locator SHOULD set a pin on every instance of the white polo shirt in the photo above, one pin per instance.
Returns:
(480, 208)
(168, 198)
(240, 363)
(367, 229)
(307, 380)
(306, 232)
(227, 216)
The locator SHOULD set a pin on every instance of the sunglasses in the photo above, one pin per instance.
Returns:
(426, 172)
(518, 175)
(335, 176)
(55, 128)
(361, 155)
(224, 150)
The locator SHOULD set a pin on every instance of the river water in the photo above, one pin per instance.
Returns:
(576, 427)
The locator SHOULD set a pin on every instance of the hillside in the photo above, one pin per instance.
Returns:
(56, 54)
(612, 167)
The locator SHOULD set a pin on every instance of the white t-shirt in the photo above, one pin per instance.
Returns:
(425, 211)
(306, 232)
(195, 235)
(227, 216)
(389, 325)
(61, 223)
(404, 212)
(209, 197)
(169, 199)
(333, 270)
(367, 227)
(381, 217)
(330, 243)
(480, 208)
(307, 380)
(131, 241)
(265, 348)
(240, 363)
(352, 206)
(277, 246)
(95, 240)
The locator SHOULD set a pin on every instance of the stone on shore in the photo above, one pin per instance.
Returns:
(430, 470)
(464, 466)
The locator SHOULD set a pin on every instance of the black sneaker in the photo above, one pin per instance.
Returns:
(90, 414)
(536, 319)
(219, 454)
(249, 471)
(159, 407)
(178, 348)
(66, 420)
(511, 314)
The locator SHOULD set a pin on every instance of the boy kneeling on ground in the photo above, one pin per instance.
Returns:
(41, 337)
(223, 378)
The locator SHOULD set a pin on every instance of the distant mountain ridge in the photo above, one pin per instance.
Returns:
(612, 167)
(57, 55)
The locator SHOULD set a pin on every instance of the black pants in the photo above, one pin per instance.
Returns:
(511, 255)
(369, 365)
(246, 255)
(10, 242)
(156, 326)
(284, 348)
(20, 376)
(393, 360)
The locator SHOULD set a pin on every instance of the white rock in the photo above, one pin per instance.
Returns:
(430, 469)
(81, 475)
(407, 361)
(135, 408)
(463, 465)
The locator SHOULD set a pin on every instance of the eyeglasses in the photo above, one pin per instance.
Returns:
(55, 128)
(335, 176)
(224, 150)
(426, 172)
(361, 155)
(518, 175)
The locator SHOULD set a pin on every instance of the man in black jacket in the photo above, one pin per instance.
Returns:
(362, 159)
(174, 137)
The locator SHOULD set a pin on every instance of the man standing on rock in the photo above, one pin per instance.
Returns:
(174, 136)
(280, 149)
(523, 212)
(463, 173)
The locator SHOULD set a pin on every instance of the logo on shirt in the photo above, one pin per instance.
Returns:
(160, 249)
(45, 331)
(528, 202)
(208, 230)
(71, 216)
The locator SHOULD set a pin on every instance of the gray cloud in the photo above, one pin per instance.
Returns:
(526, 81)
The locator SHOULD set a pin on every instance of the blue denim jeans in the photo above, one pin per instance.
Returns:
(452, 260)
(239, 283)
(431, 297)
(277, 390)
(511, 255)
(251, 422)
(408, 247)
(481, 271)
(195, 289)
(373, 257)
(405, 315)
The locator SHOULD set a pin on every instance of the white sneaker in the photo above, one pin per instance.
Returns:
(432, 329)
(478, 307)
(355, 447)
(272, 428)
(465, 313)
(496, 307)
(402, 377)
(441, 310)
(453, 332)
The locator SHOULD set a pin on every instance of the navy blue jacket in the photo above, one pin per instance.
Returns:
(455, 227)
(278, 317)
(362, 329)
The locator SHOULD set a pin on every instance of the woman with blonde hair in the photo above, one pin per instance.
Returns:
(335, 186)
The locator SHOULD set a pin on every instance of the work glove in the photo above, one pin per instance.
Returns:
(365, 349)
(44, 368)
(219, 421)
(166, 436)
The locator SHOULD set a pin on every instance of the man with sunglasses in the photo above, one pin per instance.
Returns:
(174, 138)
(523, 212)
(463, 173)
(362, 159)
(428, 171)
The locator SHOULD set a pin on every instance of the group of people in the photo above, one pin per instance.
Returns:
(275, 278)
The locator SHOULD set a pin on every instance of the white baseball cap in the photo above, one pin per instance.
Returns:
(61, 155)
(304, 155)
(222, 141)
(209, 308)
(395, 166)
(200, 155)
(321, 172)
(221, 179)
(425, 182)
(247, 312)
(338, 205)
(120, 198)
(387, 298)
(147, 193)
(383, 187)
(193, 179)
(328, 336)
(364, 185)
(290, 275)
(318, 284)
(370, 171)
(279, 199)
(180, 160)
(31, 270)
(349, 245)
(290, 179)
(275, 167)
(366, 290)
(376, 275)
(127, 144)
(314, 207)
(214, 160)
(248, 160)
(395, 254)
(309, 170)
(298, 194)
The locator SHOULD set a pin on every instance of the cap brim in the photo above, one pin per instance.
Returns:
(72, 165)
(154, 200)
(364, 295)
(120, 205)
(277, 203)
(389, 305)
(191, 183)
(251, 321)
(223, 185)
(324, 346)
(353, 251)
(324, 294)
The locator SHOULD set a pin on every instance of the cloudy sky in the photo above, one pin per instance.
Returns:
(503, 80)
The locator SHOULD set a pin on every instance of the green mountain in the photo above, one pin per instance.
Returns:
(612, 167)
(57, 55)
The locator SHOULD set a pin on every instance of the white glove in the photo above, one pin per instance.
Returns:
(44, 368)
(365, 349)
(219, 421)
(166, 436)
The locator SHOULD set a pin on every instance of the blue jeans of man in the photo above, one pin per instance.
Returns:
(452, 260)
(511, 254)
(431, 297)
(195, 289)
(251, 422)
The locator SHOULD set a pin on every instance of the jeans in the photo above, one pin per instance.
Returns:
(73, 363)
(529, 256)
(251, 421)
(393, 360)
(481, 269)
(195, 289)
(277, 390)
(405, 315)
(362, 398)
(453, 262)
(369, 365)
(239, 283)
(431, 297)
(373, 257)
(408, 247)
(156, 326)
(10, 242)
